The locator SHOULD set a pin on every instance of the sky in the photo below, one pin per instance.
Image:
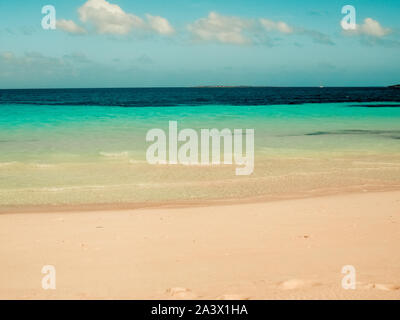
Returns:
(158, 43)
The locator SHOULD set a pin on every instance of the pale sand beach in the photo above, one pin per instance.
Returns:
(286, 249)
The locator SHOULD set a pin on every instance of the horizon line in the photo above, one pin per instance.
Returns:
(196, 87)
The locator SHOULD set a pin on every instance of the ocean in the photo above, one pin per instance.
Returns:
(88, 146)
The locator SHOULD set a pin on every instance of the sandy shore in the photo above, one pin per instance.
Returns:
(289, 249)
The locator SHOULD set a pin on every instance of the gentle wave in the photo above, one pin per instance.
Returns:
(7, 164)
(137, 161)
(122, 154)
(44, 165)
(33, 165)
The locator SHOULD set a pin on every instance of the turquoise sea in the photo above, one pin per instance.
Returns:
(78, 153)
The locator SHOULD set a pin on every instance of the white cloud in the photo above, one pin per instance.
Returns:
(370, 28)
(108, 18)
(285, 29)
(159, 24)
(239, 31)
(220, 28)
(279, 26)
(70, 27)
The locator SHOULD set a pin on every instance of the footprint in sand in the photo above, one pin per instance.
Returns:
(181, 293)
(387, 287)
(293, 284)
(379, 286)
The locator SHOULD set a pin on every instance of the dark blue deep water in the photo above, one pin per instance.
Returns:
(159, 97)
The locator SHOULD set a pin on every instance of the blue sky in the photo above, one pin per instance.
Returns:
(125, 43)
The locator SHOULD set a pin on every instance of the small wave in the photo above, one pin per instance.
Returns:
(6, 164)
(67, 188)
(122, 154)
(56, 189)
(43, 165)
(137, 161)
(27, 164)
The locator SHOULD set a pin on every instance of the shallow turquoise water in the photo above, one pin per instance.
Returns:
(89, 154)
(76, 133)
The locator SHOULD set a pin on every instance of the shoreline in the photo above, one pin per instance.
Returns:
(288, 249)
(175, 204)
